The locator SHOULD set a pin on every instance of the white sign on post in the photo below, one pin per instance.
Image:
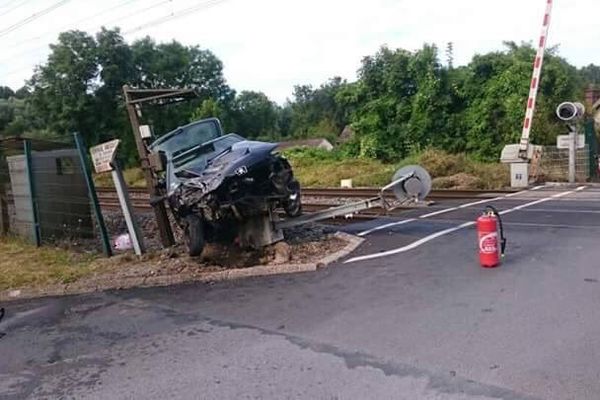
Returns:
(562, 141)
(103, 155)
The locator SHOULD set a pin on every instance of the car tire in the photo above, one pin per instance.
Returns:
(194, 235)
(293, 205)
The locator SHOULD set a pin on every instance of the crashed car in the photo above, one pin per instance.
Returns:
(214, 182)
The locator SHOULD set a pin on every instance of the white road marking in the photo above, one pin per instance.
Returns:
(436, 235)
(563, 211)
(533, 203)
(378, 228)
(433, 214)
(444, 211)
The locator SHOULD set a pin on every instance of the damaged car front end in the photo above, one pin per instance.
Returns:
(216, 182)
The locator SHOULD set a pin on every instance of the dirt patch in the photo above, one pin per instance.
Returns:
(214, 258)
(172, 266)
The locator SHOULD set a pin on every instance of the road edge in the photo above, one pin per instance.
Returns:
(352, 242)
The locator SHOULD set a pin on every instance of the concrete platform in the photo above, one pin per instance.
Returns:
(426, 323)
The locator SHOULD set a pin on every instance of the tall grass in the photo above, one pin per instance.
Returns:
(321, 168)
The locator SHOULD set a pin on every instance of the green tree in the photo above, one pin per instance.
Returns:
(210, 108)
(115, 68)
(6, 92)
(590, 74)
(79, 88)
(405, 101)
(62, 89)
(256, 115)
(317, 112)
(22, 93)
(175, 65)
(284, 120)
(496, 88)
(7, 113)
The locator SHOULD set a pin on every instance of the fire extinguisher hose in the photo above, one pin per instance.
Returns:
(495, 212)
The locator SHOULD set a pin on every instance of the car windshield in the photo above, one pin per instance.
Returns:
(189, 137)
(203, 154)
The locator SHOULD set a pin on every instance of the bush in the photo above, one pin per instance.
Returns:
(440, 163)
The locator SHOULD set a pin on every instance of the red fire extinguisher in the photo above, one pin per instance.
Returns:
(492, 242)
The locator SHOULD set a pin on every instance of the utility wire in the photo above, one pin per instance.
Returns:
(153, 6)
(156, 22)
(32, 17)
(42, 35)
(173, 16)
(90, 17)
(8, 3)
(134, 13)
(13, 8)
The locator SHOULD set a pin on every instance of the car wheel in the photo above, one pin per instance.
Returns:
(293, 204)
(194, 235)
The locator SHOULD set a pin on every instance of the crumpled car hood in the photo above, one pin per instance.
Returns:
(237, 161)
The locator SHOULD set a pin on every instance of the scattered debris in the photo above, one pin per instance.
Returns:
(282, 253)
(123, 242)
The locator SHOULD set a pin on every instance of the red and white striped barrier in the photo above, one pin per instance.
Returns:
(535, 80)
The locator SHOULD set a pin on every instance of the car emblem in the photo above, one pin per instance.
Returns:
(243, 170)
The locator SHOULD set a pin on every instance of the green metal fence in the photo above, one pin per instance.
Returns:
(46, 195)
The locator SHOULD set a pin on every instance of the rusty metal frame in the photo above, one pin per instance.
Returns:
(134, 99)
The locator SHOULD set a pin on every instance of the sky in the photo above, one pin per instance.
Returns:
(272, 45)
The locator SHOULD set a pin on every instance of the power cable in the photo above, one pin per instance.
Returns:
(156, 22)
(173, 16)
(32, 17)
(42, 35)
(14, 7)
(137, 12)
(8, 3)
(153, 6)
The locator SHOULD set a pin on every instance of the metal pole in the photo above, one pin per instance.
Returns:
(572, 154)
(160, 212)
(37, 238)
(4, 222)
(93, 195)
(124, 200)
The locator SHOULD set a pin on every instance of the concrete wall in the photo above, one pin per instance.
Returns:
(20, 211)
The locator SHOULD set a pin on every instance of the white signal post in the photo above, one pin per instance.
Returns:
(535, 82)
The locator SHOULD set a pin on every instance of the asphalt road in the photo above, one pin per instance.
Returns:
(426, 323)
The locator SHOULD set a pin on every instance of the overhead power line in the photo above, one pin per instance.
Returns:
(112, 21)
(32, 17)
(151, 24)
(71, 24)
(138, 12)
(147, 25)
(173, 16)
(8, 3)
(13, 8)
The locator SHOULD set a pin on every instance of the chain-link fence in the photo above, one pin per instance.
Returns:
(44, 195)
(553, 165)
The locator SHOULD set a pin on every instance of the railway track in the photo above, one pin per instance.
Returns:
(139, 197)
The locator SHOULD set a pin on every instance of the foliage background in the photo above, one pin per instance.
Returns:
(402, 103)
